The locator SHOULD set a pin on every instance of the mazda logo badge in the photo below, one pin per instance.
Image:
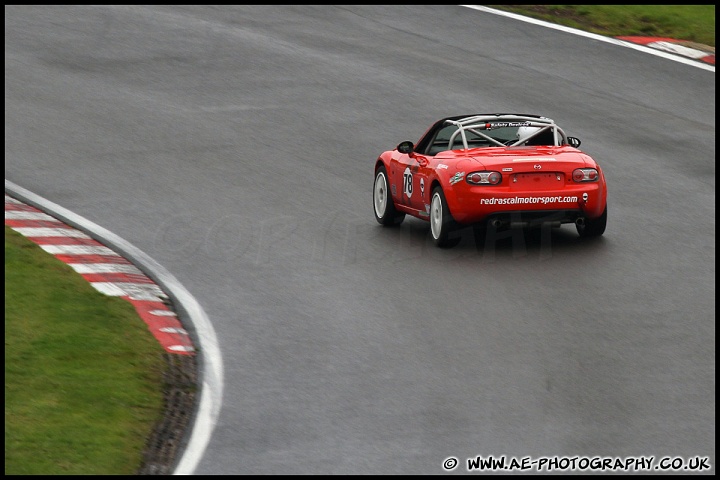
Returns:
(537, 167)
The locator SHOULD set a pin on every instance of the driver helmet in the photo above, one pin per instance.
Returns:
(524, 132)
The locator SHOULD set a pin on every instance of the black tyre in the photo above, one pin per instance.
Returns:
(441, 221)
(383, 205)
(593, 228)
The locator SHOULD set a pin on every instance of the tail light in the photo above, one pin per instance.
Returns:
(484, 178)
(585, 175)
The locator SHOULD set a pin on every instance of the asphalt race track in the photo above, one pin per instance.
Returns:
(235, 146)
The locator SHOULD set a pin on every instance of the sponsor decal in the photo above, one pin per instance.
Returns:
(422, 187)
(457, 177)
(507, 169)
(537, 166)
(394, 189)
(528, 200)
(490, 126)
(442, 166)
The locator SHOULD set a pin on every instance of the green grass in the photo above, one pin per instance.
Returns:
(693, 23)
(83, 374)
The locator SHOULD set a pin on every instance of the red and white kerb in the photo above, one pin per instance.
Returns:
(107, 271)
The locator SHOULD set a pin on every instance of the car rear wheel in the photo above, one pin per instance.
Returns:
(441, 221)
(383, 205)
(593, 228)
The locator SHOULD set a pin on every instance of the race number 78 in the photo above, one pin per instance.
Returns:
(407, 182)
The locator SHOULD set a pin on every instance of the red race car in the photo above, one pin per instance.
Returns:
(500, 170)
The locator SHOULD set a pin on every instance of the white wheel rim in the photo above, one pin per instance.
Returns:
(436, 216)
(380, 195)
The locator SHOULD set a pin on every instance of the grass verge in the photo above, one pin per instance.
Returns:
(693, 23)
(83, 374)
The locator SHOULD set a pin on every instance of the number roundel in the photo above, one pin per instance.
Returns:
(407, 182)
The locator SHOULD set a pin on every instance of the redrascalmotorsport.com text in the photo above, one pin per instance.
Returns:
(582, 464)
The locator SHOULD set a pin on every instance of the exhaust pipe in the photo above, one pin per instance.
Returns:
(580, 221)
(495, 223)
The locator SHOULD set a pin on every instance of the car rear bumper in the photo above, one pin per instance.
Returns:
(534, 218)
(566, 205)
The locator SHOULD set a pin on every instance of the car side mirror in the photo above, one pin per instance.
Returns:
(406, 147)
(573, 142)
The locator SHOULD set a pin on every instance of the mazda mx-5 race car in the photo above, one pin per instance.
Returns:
(502, 170)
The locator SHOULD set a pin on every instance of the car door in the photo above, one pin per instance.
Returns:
(410, 180)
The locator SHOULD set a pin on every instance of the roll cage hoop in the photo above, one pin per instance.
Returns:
(479, 124)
